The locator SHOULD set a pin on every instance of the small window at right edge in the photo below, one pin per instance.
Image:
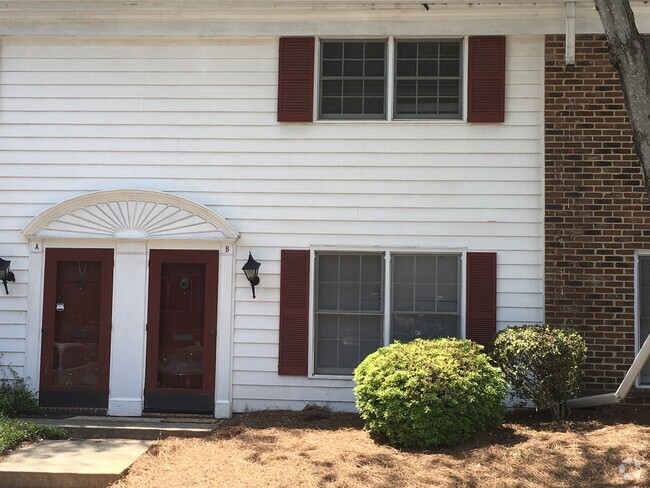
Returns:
(644, 312)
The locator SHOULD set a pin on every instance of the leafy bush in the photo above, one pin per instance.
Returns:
(429, 392)
(13, 432)
(15, 396)
(542, 364)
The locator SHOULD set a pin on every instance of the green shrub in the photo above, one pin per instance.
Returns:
(429, 393)
(13, 432)
(542, 364)
(15, 396)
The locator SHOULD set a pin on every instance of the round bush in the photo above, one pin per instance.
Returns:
(542, 364)
(429, 393)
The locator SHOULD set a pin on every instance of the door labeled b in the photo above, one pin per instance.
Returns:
(181, 331)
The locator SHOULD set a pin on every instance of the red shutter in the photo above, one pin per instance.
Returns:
(487, 79)
(296, 79)
(294, 313)
(481, 316)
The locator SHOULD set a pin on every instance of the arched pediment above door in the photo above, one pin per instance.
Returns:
(130, 214)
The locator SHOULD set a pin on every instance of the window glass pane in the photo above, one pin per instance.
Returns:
(327, 354)
(350, 267)
(332, 50)
(403, 297)
(428, 67)
(427, 106)
(367, 347)
(406, 88)
(371, 267)
(407, 49)
(353, 88)
(331, 105)
(428, 50)
(449, 68)
(425, 269)
(353, 50)
(375, 50)
(403, 268)
(448, 106)
(371, 328)
(407, 67)
(450, 50)
(352, 105)
(328, 296)
(449, 88)
(405, 106)
(373, 88)
(374, 68)
(328, 327)
(332, 68)
(328, 268)
(425, 298)
(349, 296)
(352, 68)
(348, 355)
(332, 88)
(427, 88)
(349, 327)
(447, 269)
(371, 296)
(374, 106)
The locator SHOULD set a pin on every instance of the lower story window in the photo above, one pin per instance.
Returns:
(644, 312)
(349, 304)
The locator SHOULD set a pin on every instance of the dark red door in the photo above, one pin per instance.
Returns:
(75, 349)
(181, 331)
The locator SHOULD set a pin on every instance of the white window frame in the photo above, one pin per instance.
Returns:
(388, 252)
(390, 81)
(637, 312)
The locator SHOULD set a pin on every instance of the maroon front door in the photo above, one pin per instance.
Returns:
(75, 349)
(181, 331)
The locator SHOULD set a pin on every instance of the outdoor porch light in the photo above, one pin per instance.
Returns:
(5, 274)
(250, 270)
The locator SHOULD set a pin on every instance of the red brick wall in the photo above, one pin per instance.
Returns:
(597, 212)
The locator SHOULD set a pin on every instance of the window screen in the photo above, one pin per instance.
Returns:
(349, 310)
(425, 296)
(353, 79)
(428, 79)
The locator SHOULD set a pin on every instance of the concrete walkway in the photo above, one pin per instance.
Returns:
(101, 449)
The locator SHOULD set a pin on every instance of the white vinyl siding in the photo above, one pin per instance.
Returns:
(197, 118)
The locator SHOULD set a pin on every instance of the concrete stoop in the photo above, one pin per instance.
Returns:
(99, 451)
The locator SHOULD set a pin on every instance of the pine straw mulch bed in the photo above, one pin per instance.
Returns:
(315, 448)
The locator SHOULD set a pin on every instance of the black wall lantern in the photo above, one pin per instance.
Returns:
(250, 270)
(5, 274)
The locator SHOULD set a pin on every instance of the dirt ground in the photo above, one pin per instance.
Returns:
(314, 448)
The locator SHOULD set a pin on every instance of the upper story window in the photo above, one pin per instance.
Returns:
(428, 79)
(353, 80)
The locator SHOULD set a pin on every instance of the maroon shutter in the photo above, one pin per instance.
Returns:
(481, 317)
(294, 313)
(296, 79)
(487, 79)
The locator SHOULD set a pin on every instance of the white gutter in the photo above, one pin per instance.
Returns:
(625, 386)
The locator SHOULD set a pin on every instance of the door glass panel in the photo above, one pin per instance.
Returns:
(76, 324)
(181, 333)
(644, 308)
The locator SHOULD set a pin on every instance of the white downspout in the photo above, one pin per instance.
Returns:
(623, 389)
(570, 38)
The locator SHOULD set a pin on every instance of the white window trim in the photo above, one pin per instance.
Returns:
(390, 82)
(388, 252)
(637, 314)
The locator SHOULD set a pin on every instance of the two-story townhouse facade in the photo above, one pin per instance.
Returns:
(383, 161)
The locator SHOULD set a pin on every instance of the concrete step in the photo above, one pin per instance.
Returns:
(141, 428)
(70, 463)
